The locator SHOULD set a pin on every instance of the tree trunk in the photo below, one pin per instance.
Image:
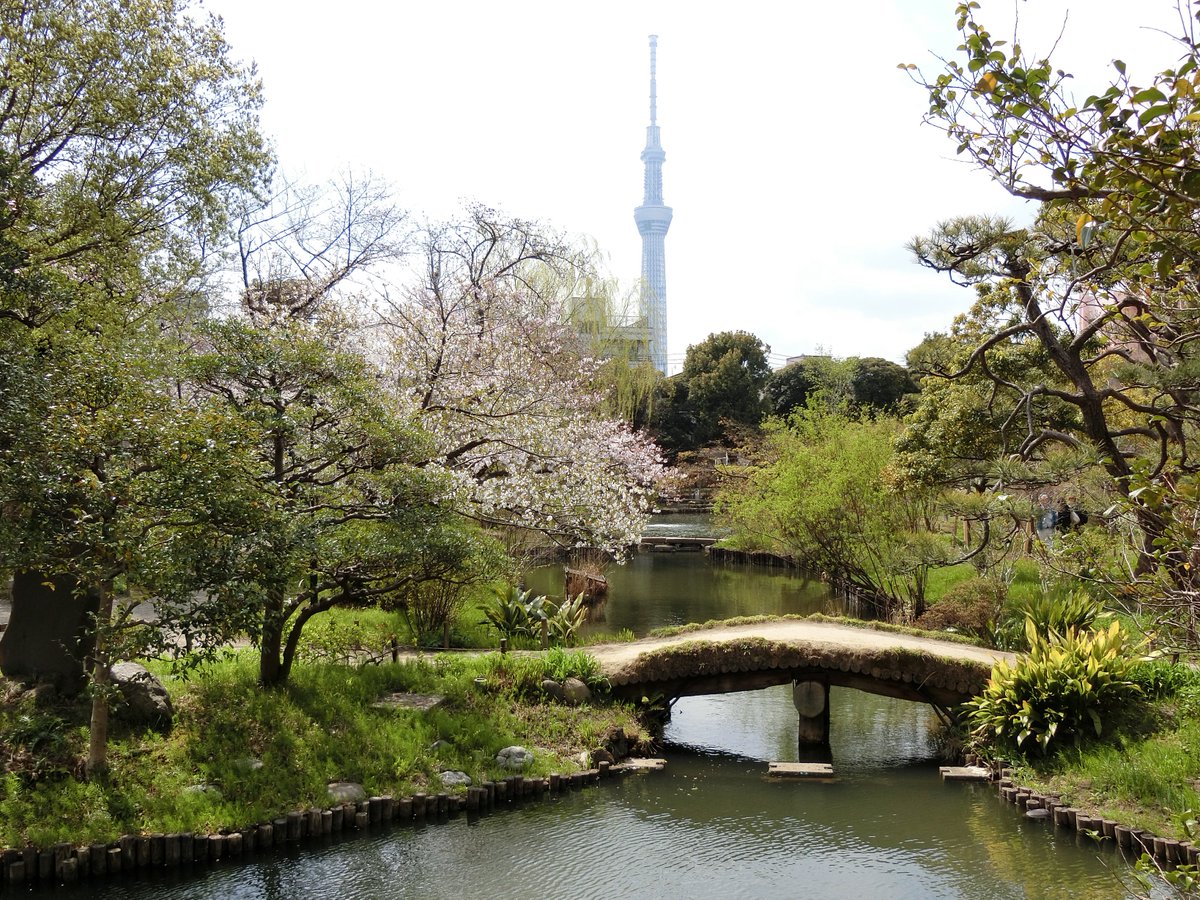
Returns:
(270, 664)
(97, 761)
(50, 631)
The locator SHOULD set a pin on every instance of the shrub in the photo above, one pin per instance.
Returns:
(970, 607)
(512, 612)
(1055, 610)
(339, 636)
(561, 664)
(430, 607)
(520, 614)
(1061, 691)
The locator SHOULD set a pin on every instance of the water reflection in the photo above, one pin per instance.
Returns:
(653, 590)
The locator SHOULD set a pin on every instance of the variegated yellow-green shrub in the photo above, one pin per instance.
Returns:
(1061, 692)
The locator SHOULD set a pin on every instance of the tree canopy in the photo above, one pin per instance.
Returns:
(721, 387)
(126, 129)
(1101, 287)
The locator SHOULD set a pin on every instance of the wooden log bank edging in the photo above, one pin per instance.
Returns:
(1130, 842)
(68, 863)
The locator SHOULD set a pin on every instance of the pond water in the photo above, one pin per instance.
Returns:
(712, 824)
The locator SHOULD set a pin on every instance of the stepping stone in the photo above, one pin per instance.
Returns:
(965, 773)
(800, 770)
(638, 764)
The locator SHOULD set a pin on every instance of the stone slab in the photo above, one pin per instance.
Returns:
(640, 764)
(402, 700)
(799, 770)
(965, 773)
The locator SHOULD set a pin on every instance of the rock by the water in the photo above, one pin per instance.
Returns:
(514, 759)
(346, 792)
(1037, 814)
(600, 755)
(575, 691)
(616, 742)
(553, 688)
(146, 701)
(455, 779)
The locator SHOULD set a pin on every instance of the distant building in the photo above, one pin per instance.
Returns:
(653, 218)
(607, 332)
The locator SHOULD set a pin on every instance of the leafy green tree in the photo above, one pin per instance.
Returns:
(822, 495)
(790, 387)
(725, 375)
(125, 131)
(869, 383)
(880, 383)
(113, 480)
(346, 514)
(1102, 283)
(673, 421)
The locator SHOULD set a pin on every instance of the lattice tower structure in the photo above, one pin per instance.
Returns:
(653, 219)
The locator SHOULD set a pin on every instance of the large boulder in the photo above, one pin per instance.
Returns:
(616, 742)
(146, 701)
(575, 691)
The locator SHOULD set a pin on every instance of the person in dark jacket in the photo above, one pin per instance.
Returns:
(1069, 516)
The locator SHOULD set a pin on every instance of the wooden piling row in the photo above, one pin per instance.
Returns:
(1130, 842)
(66, 863)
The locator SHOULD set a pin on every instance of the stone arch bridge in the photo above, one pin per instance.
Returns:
(810, 654)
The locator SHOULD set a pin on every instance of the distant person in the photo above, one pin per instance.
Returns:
(1046, 519)
(1069, 515)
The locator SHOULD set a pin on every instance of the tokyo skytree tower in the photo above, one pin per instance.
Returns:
(653, 219)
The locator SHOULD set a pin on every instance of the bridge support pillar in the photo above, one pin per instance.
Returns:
(811, 698)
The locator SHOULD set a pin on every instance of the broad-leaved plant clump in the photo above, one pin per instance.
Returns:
(1061, 692)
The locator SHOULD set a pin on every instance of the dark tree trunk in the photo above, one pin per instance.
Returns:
(271, 671)
(50, 631)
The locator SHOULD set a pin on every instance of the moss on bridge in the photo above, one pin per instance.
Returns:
(700, 666)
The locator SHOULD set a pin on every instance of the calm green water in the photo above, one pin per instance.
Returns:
(711, 825)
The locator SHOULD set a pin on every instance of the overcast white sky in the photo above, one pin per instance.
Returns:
(797, 164)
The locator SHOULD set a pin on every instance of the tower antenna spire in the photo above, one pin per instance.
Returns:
(653, 79)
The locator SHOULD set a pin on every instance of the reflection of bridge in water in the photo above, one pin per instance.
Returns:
(811, 655)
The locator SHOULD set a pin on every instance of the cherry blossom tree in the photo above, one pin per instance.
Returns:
(482, 352)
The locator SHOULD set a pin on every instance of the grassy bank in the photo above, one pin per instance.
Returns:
(321, 728)
(1144, 774)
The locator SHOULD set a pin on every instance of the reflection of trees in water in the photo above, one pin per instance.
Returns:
(1013, 849)
(657, 589)
(866, 729)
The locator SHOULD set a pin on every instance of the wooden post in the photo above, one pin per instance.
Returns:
(545, 634)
